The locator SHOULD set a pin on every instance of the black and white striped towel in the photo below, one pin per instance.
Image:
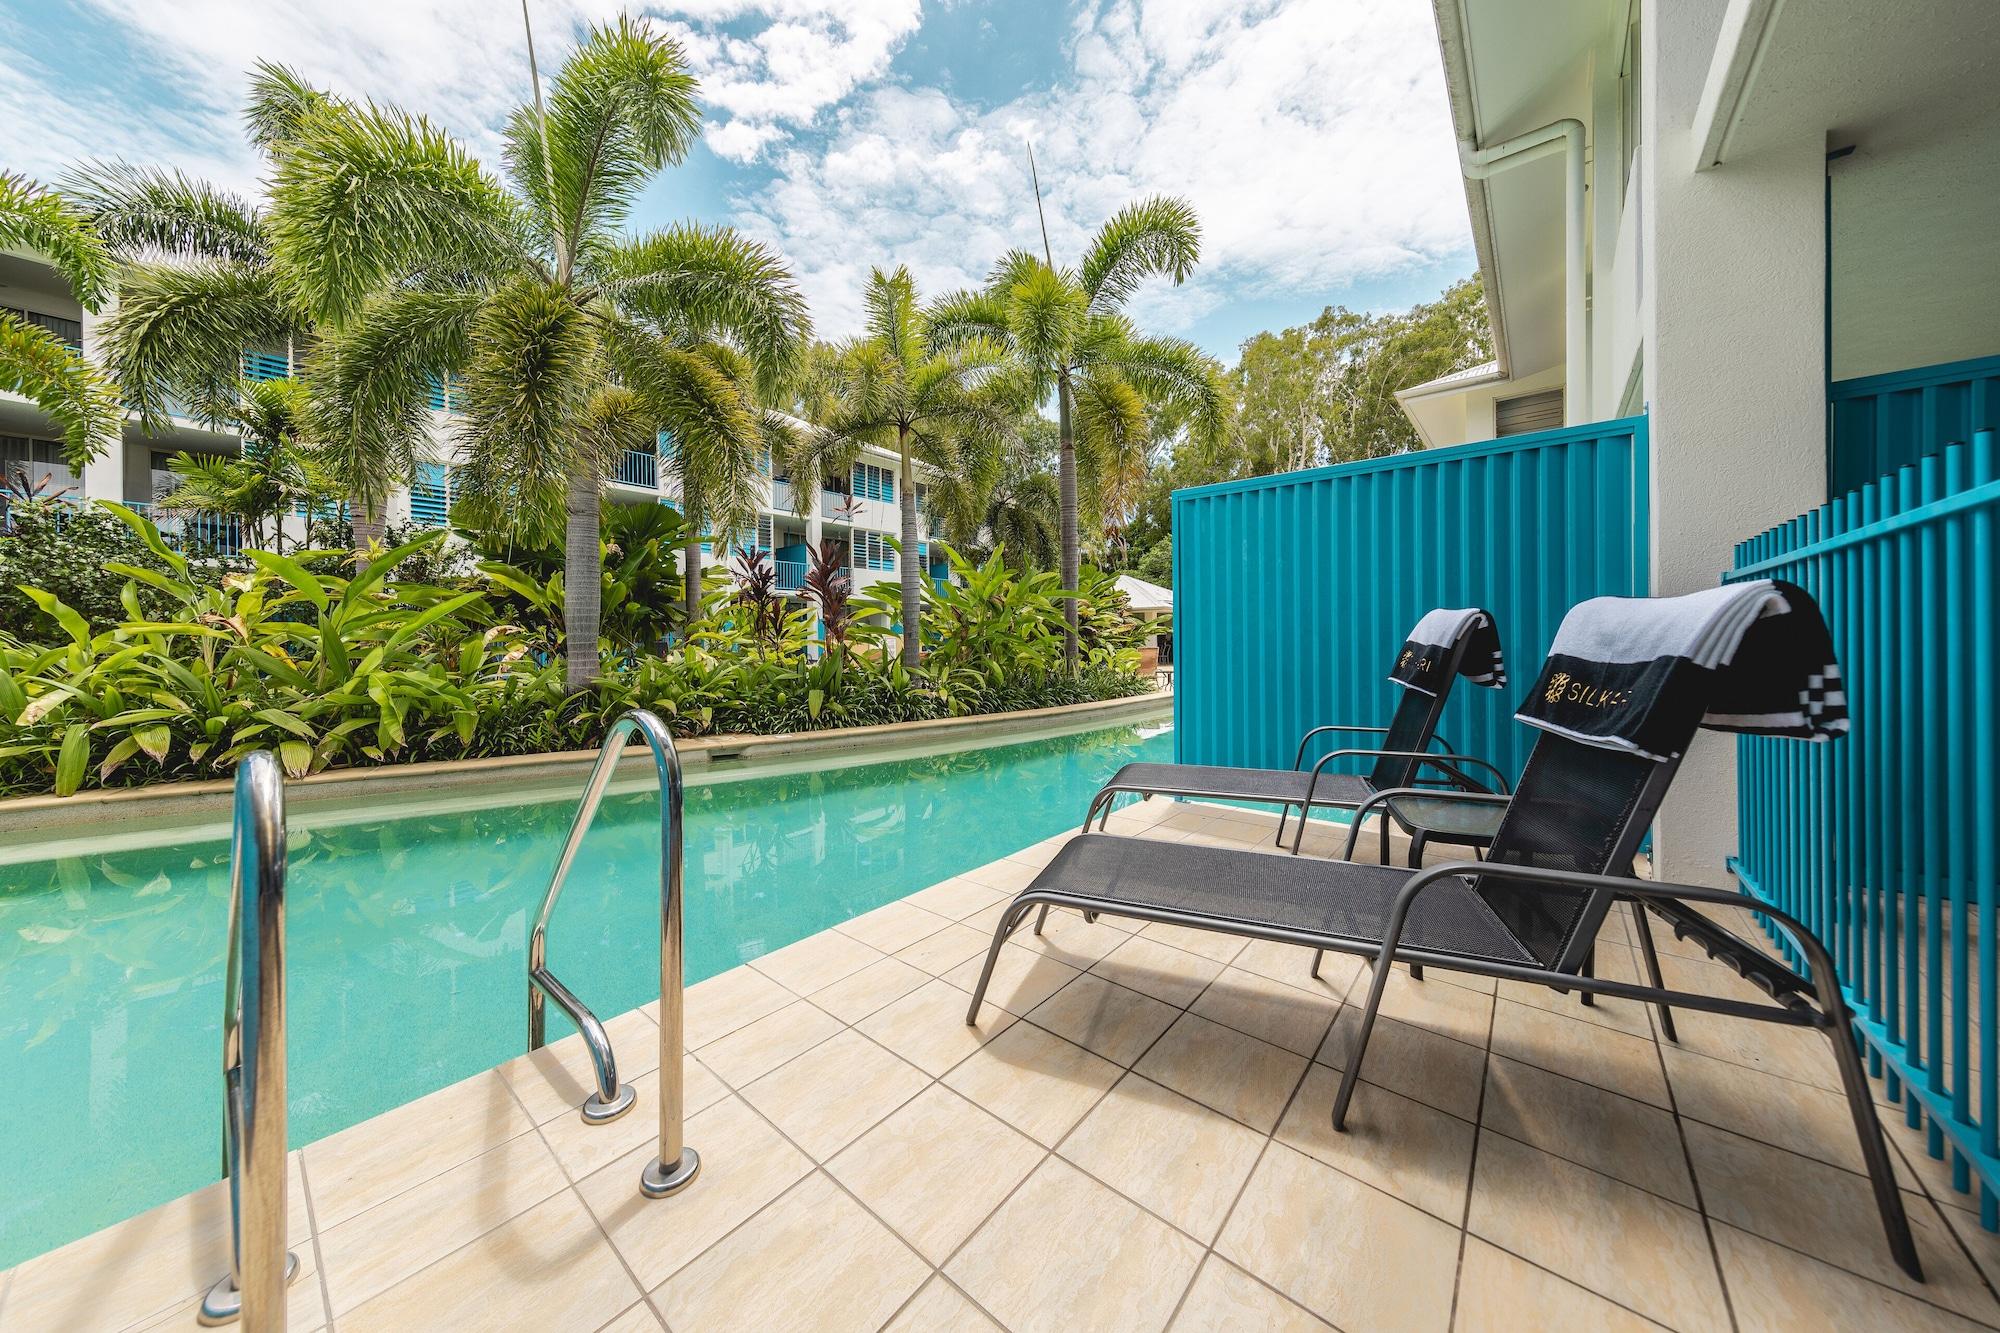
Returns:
(1641, 673)
(1421, 663)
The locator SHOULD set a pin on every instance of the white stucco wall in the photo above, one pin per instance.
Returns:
(1734, 269)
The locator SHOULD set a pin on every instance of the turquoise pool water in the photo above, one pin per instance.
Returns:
(407, 938)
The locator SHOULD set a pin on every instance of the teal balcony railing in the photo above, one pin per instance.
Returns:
(791, 574)
(1880, 422)
(1887, 843)
(193, 534)
(638, 468)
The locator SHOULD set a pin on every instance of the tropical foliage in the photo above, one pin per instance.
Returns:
(33, 361)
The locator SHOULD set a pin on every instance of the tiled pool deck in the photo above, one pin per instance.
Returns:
(1135, 1137)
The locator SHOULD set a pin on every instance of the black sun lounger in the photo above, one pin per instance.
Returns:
(1445, 644)
(1625, 687)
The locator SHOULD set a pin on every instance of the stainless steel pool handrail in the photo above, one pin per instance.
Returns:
(677, 1164)
(253, 1058)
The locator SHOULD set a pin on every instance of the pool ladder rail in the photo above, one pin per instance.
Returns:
(677, 1164)
(253, 1059)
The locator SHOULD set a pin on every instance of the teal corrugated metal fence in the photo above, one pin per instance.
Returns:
(1292, 592)
(1885, 843)
(1882, 422)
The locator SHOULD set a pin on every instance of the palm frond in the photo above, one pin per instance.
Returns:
(72, 390)
(152, 212)
(1156, 237)
(889, 303)
(1046, 314)
(363, 197)
(280, 101)
(692, 283)
(620, 108)
(176, 340)
(718, 440)
(39, 219)
(959, 316)
(1172, 370)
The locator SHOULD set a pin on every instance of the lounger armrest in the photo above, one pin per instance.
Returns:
(1425, 793)
(1444, 762)
(1304, 740)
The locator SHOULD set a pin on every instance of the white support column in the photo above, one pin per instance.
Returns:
(103, 476)
(1734, 373)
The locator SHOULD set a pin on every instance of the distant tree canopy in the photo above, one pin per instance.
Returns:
(1320, 393)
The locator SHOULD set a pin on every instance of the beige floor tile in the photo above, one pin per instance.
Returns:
(1638, 1249)
(813, 1259)
(1207, 943)
(1066, 1253)
(941, 1308)
(1499, 1293)
(379, 1158)
(1040, 854)
(1794, 1053)
(1622, 1015)
(548, 1268)
(1274, 1011)
(987, 920)
(940, 953)
(639, 1319)
(1414, 1061)
(827, 1097)
(1746, 1101)
(955, 898)
(373, 1251)
(1008, 877)
(1448, 1010)
(1348, 1252)
(1586, 1051)
(584, 1148)
(1104, 1018)
(1160, 970)
(1964, 1223)
(1779, 1289)
(722, 1004)
(816, 961)
(853, 998)
(744, 1165)
(894, 925)
(750, 1052)
(1225, 1299)
(1068, 938)
(1292, 964)
(1244, 1078)
(1034, 1080)
(1830, 1214)
(1021, 979)
(1412, 1151)
(935, 1169)
(927, 1027)
(305, 1309)
(1175, 1157)
(557, 1078)
(1634, 1141)
(155, 1265)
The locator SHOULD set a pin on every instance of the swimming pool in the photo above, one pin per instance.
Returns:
(406, 948)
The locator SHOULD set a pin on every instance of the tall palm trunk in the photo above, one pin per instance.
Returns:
(691, 583)
(367, 526)
(1072, 561)
(911, 566)
(583, 580)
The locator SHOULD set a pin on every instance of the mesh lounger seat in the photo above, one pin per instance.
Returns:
(1559, 861)
(1425, 669)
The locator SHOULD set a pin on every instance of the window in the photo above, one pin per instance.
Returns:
(431, 498)
(871, 551)
(37, 458)
(266, 366)
(874, 483)
(69, 332)
(1529, 412)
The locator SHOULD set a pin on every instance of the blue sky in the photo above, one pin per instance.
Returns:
(1311, 135)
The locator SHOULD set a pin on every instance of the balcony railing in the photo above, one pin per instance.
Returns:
(781, 495)
(638, 468)
(791, 574)
(193, 534)
(68, 331)
(1885, 843)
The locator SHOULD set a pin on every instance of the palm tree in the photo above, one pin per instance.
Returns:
(33, 361)
(894, 387)
(567, 340)
(1067, 329)
(275, 472)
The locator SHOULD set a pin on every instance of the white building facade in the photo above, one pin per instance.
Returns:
(1716, 212)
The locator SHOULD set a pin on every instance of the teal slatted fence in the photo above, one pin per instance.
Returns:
(1879, 423)
(1884, 843)
(1293, 592)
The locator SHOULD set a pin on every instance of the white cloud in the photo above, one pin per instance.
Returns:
(1312, 139)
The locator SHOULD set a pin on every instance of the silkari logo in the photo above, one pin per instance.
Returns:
(1565, 688)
